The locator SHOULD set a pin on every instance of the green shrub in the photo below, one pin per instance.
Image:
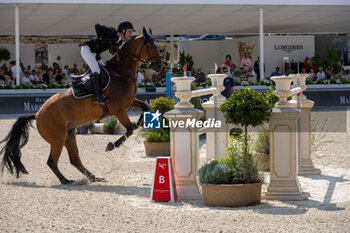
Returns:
(110, 124)
(247, 107)
(237, 167)
(158, 135)
(214, 172)
(162, 104)
(262, 142)
(245, 167)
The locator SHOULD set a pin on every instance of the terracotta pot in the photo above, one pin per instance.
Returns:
(231, 195)
(157, 148)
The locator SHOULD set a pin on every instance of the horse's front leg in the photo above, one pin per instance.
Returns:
(139, 104)
(123, 117)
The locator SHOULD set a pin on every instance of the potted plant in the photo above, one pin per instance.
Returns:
(261, 146)
(234, 180)
(157, 141)
(109, 126)
(242, 185)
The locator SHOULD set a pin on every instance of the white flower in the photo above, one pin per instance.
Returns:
(245, 83)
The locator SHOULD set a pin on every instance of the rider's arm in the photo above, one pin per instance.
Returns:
(106, 33)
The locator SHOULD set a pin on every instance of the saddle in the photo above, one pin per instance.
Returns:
(82, 84)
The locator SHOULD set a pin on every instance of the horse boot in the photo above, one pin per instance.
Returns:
(99, 98)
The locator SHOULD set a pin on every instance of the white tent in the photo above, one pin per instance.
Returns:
(77, 17)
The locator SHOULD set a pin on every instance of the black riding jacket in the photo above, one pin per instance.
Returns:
(106, 38)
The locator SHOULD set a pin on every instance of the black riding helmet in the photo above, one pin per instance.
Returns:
(125, 25)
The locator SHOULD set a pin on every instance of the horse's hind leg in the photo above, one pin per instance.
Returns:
(55, 153)
(73, 152)
(125, 121)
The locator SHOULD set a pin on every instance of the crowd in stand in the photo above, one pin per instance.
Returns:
(54, 74)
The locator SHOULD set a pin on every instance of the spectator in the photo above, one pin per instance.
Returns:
(200, 76)
(228, 61)
(245, 63)
(303, 70)
(66, 75)
(140, 78)
(29, 68)
(56, 68)
(257, 68)
(307, 63)
(311, 74)
(25, 78)
(75, 69)
(4, 67)
(330, 72)
(84, 68)
(46, 77)
(251, 74)
(65, 71)
(341, 63)
(320, 74)
(58, 78)
(13, 69)
(276, 72)
(34, 78)
(229, 84)
(2, 76)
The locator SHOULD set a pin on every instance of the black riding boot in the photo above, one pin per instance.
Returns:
(98, 98)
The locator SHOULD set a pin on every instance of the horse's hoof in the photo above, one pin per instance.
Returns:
(65, 182)
(110, 146)
(98, 179)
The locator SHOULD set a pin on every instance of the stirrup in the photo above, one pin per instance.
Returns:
(100, 99)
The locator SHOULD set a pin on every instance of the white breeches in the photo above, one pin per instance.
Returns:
(90, 59)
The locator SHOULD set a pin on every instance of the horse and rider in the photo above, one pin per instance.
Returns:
(62, 113)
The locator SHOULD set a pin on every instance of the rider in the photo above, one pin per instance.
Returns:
(107, 39)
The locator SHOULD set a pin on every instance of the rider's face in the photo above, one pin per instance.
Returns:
(128, 33)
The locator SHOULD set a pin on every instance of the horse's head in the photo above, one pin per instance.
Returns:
(149, 51)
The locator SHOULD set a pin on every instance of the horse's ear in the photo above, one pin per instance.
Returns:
(150, 32)
(145, 33)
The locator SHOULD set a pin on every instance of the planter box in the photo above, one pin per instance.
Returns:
(157, 148)
(231, 195)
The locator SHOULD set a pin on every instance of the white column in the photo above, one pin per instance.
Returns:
(284, 184)
(261, 41)
(217, 139)
(306, 166)
(184, 142)
(172, 52)
(17, 44)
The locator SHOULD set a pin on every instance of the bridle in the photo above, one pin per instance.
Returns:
(139, 50)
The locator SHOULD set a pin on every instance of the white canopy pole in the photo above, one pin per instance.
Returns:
(261, 40)
(172, 51)
(17, 44)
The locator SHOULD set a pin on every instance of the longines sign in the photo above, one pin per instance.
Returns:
(289, 48)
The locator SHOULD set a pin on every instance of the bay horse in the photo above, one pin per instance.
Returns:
(61, 114)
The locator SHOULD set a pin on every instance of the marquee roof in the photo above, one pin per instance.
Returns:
(77, 17)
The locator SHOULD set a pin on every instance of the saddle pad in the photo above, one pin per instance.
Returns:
(80, 89)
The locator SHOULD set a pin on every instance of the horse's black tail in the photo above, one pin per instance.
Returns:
(15, 140)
